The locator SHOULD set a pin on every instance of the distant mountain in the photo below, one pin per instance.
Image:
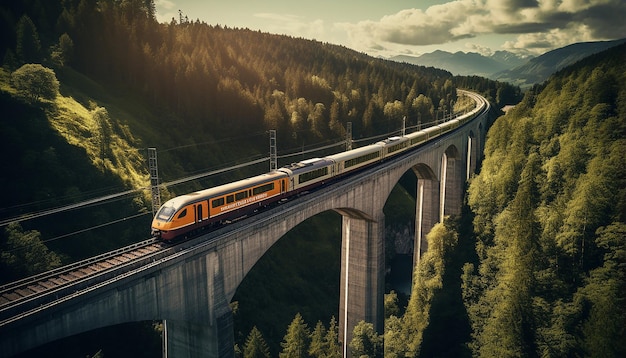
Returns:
(506, 66)
(538, 69)
(461, 63)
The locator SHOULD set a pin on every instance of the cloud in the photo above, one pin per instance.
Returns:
(538, 24)
(483, 50)
(293, 25)
(165, 10)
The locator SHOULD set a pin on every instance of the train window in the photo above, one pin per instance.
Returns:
(396, 147)
(263, 189)
(217, 202)
(241, 195)
(314, 174)
(358, 160)
(182, 213)
(165, 213)
(418, 139)
(230, 199)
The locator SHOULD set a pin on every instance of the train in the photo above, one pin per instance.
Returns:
(188, 214)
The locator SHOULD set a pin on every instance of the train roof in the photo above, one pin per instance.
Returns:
(416, 134)
(354, 153)
(219, 190)
(392, 140)
(305, 166)
(431, 129)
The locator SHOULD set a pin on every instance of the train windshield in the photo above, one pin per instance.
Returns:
(166, 213)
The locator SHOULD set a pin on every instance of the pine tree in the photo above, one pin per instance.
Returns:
(333, 346)
(317, 348)
(28, 47)
(255, 346)
(296, 341)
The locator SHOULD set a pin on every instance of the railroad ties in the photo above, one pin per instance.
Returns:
(36, 285)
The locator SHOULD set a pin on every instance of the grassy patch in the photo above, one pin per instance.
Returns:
(70, 114)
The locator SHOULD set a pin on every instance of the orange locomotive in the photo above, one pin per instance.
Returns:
(186, 214)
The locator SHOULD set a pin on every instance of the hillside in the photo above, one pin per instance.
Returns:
(550, 206)
(538, 69)
(536, 266)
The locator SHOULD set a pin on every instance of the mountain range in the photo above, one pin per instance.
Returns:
(506, 66)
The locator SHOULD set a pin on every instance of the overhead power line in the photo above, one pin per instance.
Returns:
(108, 198)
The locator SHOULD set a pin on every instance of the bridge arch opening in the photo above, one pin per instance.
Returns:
(426, 206)
(314, 253)
(299, 273)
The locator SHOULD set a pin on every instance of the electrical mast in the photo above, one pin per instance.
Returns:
(273, 157)
(154, 180)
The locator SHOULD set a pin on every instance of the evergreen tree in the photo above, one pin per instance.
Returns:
(333, 346)
(255, 346)
(104, 131)
(318, 346)
(295, 344)
(63, 52)
(28, 48)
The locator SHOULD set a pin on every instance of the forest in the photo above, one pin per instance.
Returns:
(535, 267)
(549, 212)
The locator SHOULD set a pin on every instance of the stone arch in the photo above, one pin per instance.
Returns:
(354, 213)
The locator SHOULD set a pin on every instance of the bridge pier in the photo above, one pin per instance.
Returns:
(452, 187)
(188, 340)
(426, 211)
(362, 274)
(195, 340)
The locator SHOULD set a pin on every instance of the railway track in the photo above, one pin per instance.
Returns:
(35, 287)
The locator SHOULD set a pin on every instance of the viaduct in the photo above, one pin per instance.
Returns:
(191, 288)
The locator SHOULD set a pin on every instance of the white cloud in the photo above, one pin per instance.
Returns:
(538, 43)
(539, 25)
(483, 50)
(165, 10)
(294, 25)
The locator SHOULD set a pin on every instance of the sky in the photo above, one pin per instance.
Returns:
(402, 27)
